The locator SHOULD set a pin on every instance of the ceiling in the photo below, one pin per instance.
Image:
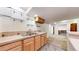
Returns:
(53, 14)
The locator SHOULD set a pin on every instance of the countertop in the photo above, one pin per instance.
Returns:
(10, 39)
(74, 40)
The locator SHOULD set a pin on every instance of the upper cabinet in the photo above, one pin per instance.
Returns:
(39, 19)
(10, 12)
(16, 14)
(23, 16)
(6, 11)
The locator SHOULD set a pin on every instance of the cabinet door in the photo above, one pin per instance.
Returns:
(37, 42)
(24, 16)
(29, 44)
(10, 46)
(45, 38)
(6, 11)
(18, 48)
(42, 40)
(20, 15)
(16, 14)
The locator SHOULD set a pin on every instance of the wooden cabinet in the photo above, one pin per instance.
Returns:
(45, 38)
(11, 46)
(73, 27)
(37, 42)
(29, 44)
(18, 48)
(42, 41)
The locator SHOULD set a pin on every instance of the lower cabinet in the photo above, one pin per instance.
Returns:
(45, 39)
(37, 43)
(12, 46)
(42, 41)
(28, 44)
(18, 48)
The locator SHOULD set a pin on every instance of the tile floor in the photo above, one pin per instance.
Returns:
(51, 46)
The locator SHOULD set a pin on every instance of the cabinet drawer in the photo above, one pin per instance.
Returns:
(29, 39)
(18, 48)
(46, 40)
(10, 46)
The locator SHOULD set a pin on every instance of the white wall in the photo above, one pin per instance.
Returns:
(43, 27)
(51, 30)
(73, 21)
(60, 27)
(46, 28)
(7, 24)
(66, 25)
(32, 25)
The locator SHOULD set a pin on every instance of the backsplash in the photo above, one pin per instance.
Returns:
(9, 27)
(5, 34)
